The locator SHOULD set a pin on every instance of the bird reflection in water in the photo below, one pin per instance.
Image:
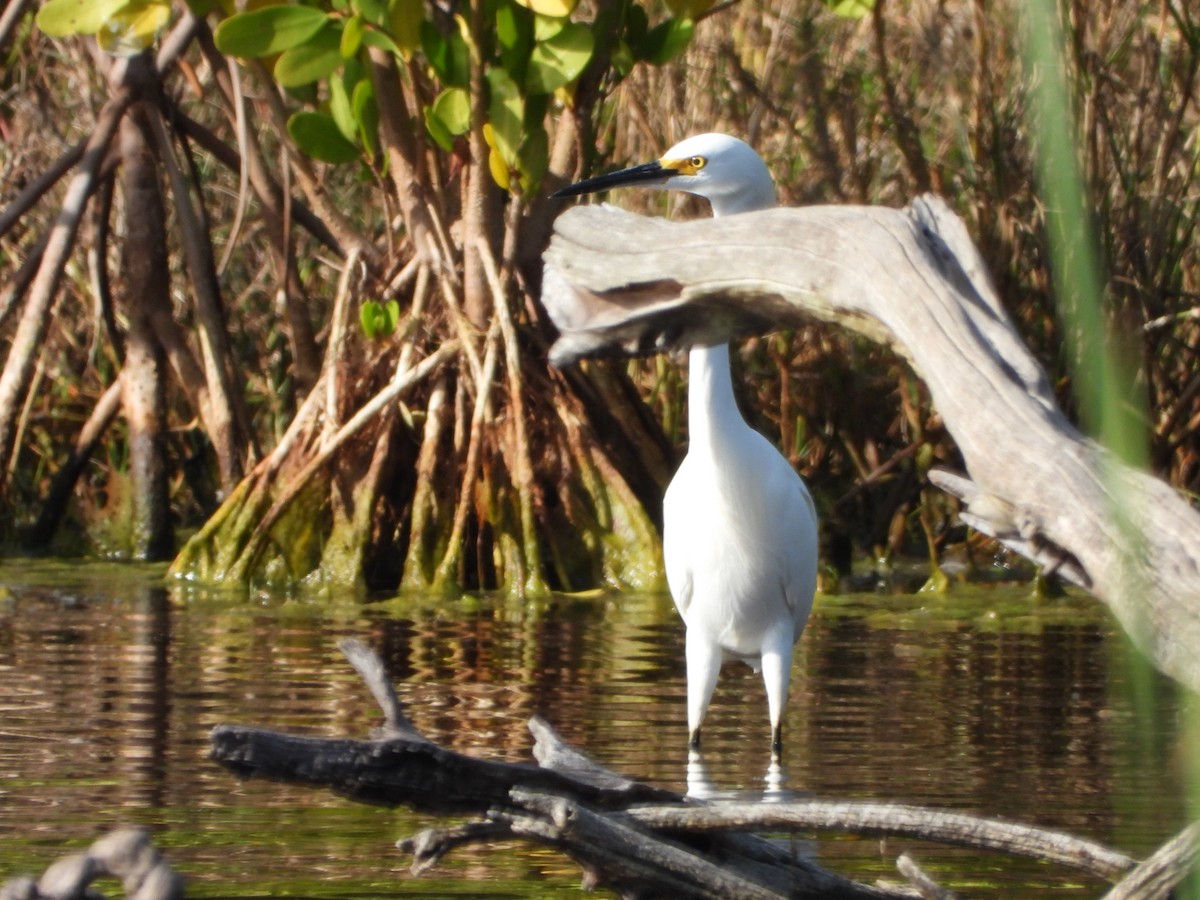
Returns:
(775, 790)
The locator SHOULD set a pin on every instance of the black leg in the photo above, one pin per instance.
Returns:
(694, 740)
(777, 741)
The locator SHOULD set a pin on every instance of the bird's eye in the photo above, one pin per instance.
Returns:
(697, 162)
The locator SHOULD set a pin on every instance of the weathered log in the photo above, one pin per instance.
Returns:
(401, 771)
(641, 840)
(617, 283)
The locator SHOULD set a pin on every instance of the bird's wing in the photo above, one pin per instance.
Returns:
(793, 535)
(679, 508)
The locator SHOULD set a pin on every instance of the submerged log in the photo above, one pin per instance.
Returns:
(616, 283)
(641, 840)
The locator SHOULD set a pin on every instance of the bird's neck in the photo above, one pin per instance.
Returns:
(712, 409)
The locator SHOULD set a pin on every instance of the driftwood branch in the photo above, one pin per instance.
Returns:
(894, 820)
(617, 283)
(1161, 873)
(638, 839)
(919, 878)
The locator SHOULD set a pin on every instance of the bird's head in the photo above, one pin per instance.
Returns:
(720, 168)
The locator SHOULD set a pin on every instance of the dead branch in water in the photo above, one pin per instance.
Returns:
(638, 839)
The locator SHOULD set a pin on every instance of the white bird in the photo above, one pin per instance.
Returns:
(740, 529)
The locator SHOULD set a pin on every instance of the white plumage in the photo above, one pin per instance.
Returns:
(740, 529)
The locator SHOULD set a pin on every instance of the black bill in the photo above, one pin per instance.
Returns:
(647, 173)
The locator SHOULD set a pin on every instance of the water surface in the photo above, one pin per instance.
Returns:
(981, 701)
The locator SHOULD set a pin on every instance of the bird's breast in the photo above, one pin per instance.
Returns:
(739, 540)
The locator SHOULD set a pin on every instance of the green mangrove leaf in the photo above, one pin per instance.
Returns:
(368, 317)
(269, 30)
(437, 130)
(496, 163)
(545, 27)
(560, 59)
(339, 108)
(636, 25)
(379, 320)
(392, 311)
(352, 37)
(666, 41)
(514, 33)
(366, 115)
(405, 18)
(506, 113)
(510, 23)
(556, 9)
(63, 18)
(689, 9)
(851, 9)
(374, 11)
(373, 37)
(447, 54)
(534, 160)
(311, 61)
(453, 109)
(134, 28)
(319, 136)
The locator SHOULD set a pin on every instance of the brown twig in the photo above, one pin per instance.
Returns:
(38, 187)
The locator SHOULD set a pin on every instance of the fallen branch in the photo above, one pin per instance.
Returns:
(919, 878)
(1163, 871)
(639, 839)
(894, 820)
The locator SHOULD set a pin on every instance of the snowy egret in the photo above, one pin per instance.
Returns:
(740, 529)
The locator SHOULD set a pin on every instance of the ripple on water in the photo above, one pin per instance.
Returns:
(111, 687)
